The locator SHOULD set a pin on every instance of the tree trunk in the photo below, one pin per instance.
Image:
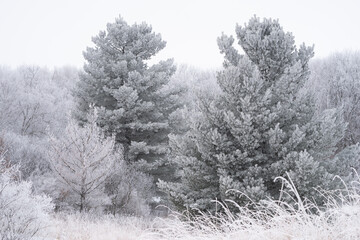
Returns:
(82, 202)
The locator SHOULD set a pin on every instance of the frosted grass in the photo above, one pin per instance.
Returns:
(301, 219)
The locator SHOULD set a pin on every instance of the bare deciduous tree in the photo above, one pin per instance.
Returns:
(82, 160)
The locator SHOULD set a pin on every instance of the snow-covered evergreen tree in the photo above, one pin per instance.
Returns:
(133, 99)
(82, 160)
(263, 125)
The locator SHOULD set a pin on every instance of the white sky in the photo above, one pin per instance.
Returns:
(55, 32)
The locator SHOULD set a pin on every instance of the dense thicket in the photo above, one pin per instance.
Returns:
(335, 83)
(24, 215)
(33, 101)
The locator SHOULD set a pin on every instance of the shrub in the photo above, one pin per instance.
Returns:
(23, 214)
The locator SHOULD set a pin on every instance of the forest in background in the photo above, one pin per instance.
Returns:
(122, 137)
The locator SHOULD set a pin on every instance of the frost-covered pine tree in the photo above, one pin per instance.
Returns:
(261, 126)
(133, 98)
(82, 160)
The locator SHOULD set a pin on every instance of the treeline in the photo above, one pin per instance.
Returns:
(38, 106)
(121, 136)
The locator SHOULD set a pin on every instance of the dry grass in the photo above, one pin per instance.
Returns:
(339, 220)
(88, 227)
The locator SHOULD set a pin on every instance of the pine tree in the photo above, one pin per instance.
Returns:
(263, 125)
(133, 99)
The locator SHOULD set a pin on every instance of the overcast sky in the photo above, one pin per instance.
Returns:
(55, 32)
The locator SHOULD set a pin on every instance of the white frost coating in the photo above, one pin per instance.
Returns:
(82, 160)
(23, 215)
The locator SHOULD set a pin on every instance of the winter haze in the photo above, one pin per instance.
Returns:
(55, 33)
(179, 120)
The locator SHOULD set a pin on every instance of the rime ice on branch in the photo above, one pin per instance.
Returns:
(263, 125)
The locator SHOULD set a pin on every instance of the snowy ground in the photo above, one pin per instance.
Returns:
(274, 222)
(76, 227)
(297, 219)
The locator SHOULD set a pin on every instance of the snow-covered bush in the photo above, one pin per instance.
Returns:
(23, 215)
(129, 189)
